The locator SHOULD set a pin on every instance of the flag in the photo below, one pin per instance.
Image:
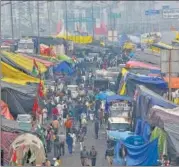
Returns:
(35, 106)
(40, 89)
(35, 69)
(14, 156)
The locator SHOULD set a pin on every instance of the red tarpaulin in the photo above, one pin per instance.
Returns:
(102, 30)
(6, 140)
(5, 111)
(44, 62)
(137, 64)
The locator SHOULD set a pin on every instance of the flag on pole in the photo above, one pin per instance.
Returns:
(35, 69)
(40, 89)
(35, 106)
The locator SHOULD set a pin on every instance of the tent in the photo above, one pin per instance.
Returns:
(65, 58)
(63, 67)
(156, 84)
(25, 142)
(124, 38)
(146, 99)
(19, 98)
(44, 62)
(138, 64)
(9, 131)
(117, 97)
(24, 61)
(167, 119)
(13, 75)
(104, 95)
(5, 111)
(141, 155)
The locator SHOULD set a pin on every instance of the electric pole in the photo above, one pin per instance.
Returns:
(49, 24)
(38, 31)
(92, 8)
(66, 18)
(12, 24)
(30, 15)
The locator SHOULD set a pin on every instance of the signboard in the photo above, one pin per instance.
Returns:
(112, 36)
(152, 12)
(115, 15)
(165, 61)
(120, 106)
(171, 13)
(83, 19)
(165, 7)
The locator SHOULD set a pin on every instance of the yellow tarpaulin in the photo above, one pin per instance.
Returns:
(25, 62)
(77, 39)
(123, 88)
(12, 75)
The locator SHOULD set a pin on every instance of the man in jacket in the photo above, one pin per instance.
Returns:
(84, 155)
(93, 155)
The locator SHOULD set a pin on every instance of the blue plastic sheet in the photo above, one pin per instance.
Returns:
(104, 95)
(63, 67)
(143, 155)
(118, 97)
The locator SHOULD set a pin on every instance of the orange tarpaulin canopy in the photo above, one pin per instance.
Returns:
(137, 64)
(174, 82)
(5, 111)
(44, 62)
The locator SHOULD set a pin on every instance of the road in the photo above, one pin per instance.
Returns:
(100, 145)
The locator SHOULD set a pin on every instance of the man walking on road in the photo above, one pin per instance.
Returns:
(96, 128)
(93, 155)
(56, 145)
(84, 155)
(62, 139)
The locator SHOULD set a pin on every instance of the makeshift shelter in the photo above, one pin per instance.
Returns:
(24, 144)
(130, 80)
(44, 62)
(124, 38)
(174, 82)
(13, 75)
(138, 64)
(141, 155)
(63, 67)
(5, 111)
(167, 119)
(65, 58)
(19, 98)
(104, 95)
(9, 131)
(146, 99)
(25, 62)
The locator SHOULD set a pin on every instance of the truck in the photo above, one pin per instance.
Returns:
(26, 46)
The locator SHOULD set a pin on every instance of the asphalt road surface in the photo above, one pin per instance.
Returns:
(100, 145)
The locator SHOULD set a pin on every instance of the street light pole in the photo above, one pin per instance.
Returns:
(12, 24)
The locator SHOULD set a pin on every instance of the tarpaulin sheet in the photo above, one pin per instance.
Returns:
(45, 62)
(13, 64)
(124, 38)
(104, 95)
(5, 111)
(65, 58)
(6, 140)
(145, 99)
(138, 64)
(116, 135)
(24, 62)
(143, 155)
(12, 75)
(172, 131)
(63, 67)
(118, 97)
(159, 116)
(19, 99)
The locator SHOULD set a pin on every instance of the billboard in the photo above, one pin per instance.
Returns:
(171, 13)
(152, 12)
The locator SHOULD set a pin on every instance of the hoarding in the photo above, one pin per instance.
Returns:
(152, 12)
(171, 13)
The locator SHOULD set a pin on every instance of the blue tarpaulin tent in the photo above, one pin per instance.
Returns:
(140, 155)
(118, 97)
(104, 95)
(63, 67)
(124, 38)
